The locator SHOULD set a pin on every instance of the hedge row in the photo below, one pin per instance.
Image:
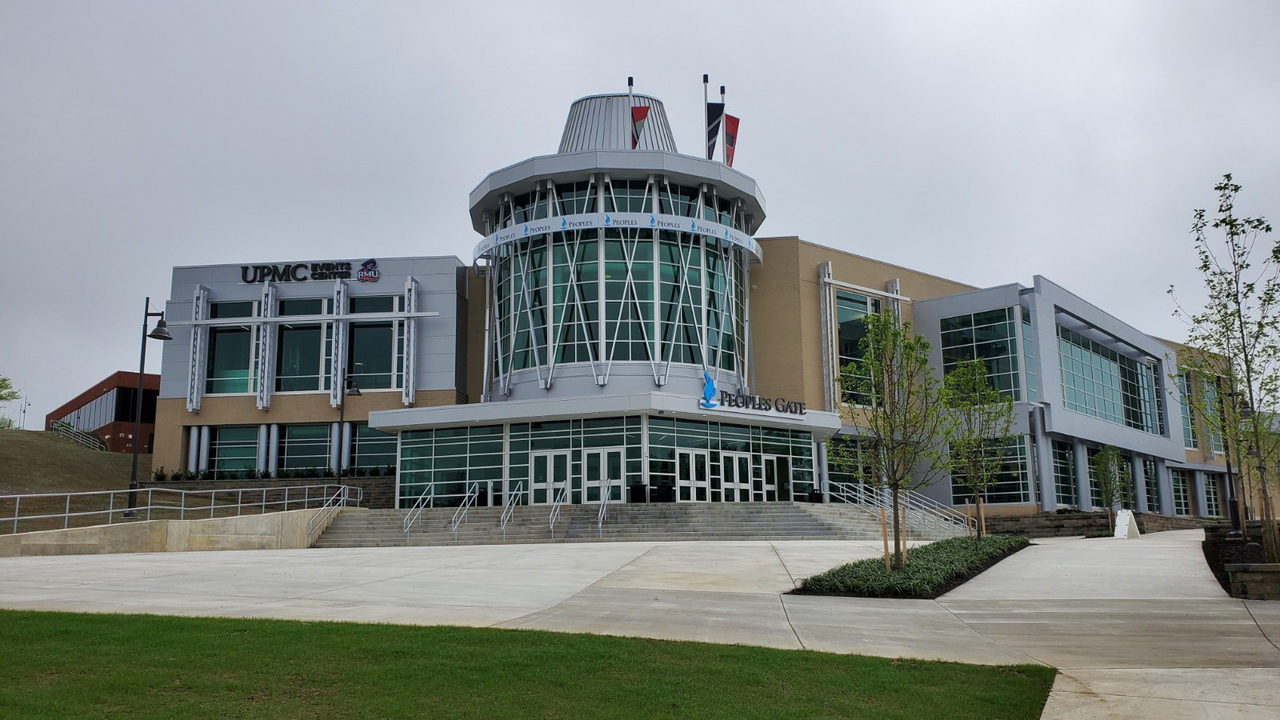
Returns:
(931, 570)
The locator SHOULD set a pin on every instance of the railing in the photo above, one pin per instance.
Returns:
(52, 511)
(558, 501)
(89, 440)
(921, 511)
(460, 515)
(513, 499)
(338, 499)
(606, 492)
(425, 500)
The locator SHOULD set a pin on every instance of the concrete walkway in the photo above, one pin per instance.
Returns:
(1137, 628)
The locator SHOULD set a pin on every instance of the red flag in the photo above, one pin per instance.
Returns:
(639, 113)
(730, 138)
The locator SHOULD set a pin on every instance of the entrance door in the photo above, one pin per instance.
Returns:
(602, 469)
(550, 475)
(776, 483)
(735, 472)
(693, 476)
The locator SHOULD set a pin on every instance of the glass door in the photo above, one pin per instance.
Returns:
(776, 483)
(693, 476)
(550, 474)
(735, 473)
(602, 469)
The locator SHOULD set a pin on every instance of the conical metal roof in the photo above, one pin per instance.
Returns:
(603, 122)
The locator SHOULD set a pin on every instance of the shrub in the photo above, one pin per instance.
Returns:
(159, 475)
(931, 569)
(177, 475)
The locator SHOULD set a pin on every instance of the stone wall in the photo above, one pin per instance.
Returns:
(1082, 523)
(1255, 581)
(379, 492)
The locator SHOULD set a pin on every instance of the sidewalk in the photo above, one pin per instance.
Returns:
(1138, 628)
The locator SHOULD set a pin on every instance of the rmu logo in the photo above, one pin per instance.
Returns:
(368, 271)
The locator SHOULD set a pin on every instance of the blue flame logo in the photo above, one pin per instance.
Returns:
(564, 224)
(693, 225)
(607, 220)
(652, 221)
(526, 230)
(708, 392)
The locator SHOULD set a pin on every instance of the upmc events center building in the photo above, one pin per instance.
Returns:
(622, 330)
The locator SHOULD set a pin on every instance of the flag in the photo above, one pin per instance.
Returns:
(639, 113)
(730, 138)
(715, 111)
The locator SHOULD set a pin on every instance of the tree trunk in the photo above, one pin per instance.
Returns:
(897, 533)
(1111, 525)
(982, 518)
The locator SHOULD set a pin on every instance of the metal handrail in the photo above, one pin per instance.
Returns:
(87, 439)
(558, 501)
(513, 499)
(112, 506)
(426, 499)
(606, 492)
(330, 507)
(460, 515)
(924, 511)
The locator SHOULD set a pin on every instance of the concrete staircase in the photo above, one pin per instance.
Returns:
(625, 522)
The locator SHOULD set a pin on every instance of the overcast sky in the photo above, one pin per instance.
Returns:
(983, 141)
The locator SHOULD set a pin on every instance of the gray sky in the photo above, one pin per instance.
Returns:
(983, 141)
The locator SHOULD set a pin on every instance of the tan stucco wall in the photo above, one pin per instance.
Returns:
(786, 319)
(272, 531)
(172, 415)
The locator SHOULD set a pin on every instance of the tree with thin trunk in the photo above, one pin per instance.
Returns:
(903, 417)
(1236, 338)
(7, 393)
(1114, 476)
(979, 428)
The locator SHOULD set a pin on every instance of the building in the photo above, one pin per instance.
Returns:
(108, 410)
(622, 333)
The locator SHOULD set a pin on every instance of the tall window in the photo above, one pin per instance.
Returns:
(302, 361)
(1189, 438)
(851, 328)
(1150, 476)
(233, 449)
(1181, 505)
(375, 350)
(989, 336)
(1029, 364)
(233, 352)
(373, 448)
(304, 447)
(1011, 485)
(1064, 474)
(1212, 508)
(1099, 381)
(1209, 396)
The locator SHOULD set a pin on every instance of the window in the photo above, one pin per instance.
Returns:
(1212, 508)
(990, 336)
(1064, 474)
(1029, 365)
(233, 450)
(1152, 479)
(1099, 381)
(851, 328)
(373, 448)
(1011, 485)
(1189, 439)
(375, 350)
(301, 349)
(1181, 506)
(1209, 396)
(304, 447)
(231, 364)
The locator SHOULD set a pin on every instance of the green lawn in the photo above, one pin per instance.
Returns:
(59, 665)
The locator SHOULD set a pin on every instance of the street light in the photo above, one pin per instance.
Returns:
(350, 389)
(161, 332)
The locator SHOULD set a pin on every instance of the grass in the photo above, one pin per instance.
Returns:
(40, 462)
(931, 570)
(58, 665)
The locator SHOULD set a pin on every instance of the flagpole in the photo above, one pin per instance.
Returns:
(723, 127)
(631, 102)
(705, 120)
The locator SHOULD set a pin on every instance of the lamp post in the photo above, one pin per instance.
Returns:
(349, 389)
(161, 332)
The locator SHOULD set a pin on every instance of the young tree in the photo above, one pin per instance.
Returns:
(7, 393)
(1236, 337)
(903, 421)
(978, 429)
(1114, 476)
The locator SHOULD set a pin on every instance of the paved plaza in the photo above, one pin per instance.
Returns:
(1137, 628)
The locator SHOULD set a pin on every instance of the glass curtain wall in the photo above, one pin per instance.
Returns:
(233, 450)
(851, 327)
(1101, 382)
(990, 336)
(1064, 474)
(231, 365)
(1013, 484)
(302, 349)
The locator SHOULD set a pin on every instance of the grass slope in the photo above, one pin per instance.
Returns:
(57, 665)
(34, 462)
